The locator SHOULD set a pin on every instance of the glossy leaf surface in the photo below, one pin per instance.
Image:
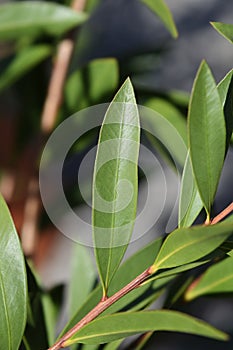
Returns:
(226, 30)
(185, 245)
(207, 134)
(190, 202)
(136, 264)
(36, 18)
(121, 325)
(115, 182)
(13, 287)
(162, 11)
(217, 279)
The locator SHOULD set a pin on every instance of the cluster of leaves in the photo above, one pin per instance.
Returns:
(28, 314)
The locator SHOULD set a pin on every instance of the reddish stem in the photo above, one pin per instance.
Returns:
(223, 214)
(101, 307)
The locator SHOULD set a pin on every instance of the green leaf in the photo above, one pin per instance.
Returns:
(23, 62)
(225, 90)
(133, 266)
(113, 345)
(217, 279)
(82, 278)
(43, 312)
(92, 84)
(121, 325)
(25, 344)
(171, 113)
(162, 11)
(223, 86)
(166, 130)
(92, 5)
(185, 245)
(177, 290)
(51, 303)
(90, 347)
(226, 30)
(34, 18)
(207, 134)
(176, 270)
(141, 297)
(115, 182)
(13, 285)
(190, 202)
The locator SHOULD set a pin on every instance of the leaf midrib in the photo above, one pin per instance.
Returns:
(114, 203)
(204, 289)
(207, 155)
(183, 247)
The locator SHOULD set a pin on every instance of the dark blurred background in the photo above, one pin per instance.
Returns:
(158, 65)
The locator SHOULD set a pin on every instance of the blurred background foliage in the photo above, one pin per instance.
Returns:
(110, 40)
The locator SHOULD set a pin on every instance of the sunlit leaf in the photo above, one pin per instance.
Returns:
(13, 286)
(217, 279)
(115, 182)
(23, 62)
(121, 325)
(34, 18)
(162, 11)
(207, 134)
(226, 30)
(186, 245)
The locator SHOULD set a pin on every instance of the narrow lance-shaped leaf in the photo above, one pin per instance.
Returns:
(217, 279)
(226, 30)
(190, 202)
(51, 302)
(121, 325)
(23, 62)
(82, 278)
(13, 290)
(160, 8)
(169, 127)
(185, 245)
(34, 18)
(131, 268)
(207, 135)
(92, 84)
(115, 182)
(225, 90)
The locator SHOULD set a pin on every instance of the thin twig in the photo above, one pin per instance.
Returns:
(101, 307)
(57, 81)
(223, 214)
(48, 120)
